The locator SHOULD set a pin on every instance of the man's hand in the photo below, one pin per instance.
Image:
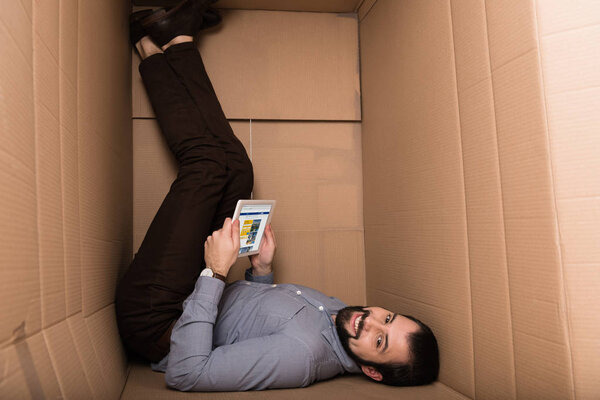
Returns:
(263, 261)
(222, 247)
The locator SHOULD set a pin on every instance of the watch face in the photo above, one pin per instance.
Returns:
(207, 272)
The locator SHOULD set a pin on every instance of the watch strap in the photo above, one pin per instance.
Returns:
(219, 276)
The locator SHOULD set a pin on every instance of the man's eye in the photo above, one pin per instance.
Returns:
(379, 341)
(387, 319)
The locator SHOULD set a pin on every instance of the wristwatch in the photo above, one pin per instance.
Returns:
(209, 272)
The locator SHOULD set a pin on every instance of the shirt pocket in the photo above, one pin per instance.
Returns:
(282, 306)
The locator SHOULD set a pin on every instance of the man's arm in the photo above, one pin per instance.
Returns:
(275, 361)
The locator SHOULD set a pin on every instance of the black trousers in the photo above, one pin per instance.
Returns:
(214, 172)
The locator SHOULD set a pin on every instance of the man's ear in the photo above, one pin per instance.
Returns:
(372, 373)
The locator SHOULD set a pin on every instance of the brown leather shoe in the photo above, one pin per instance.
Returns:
(183, 19)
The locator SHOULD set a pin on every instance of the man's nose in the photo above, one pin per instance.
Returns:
(369, 323)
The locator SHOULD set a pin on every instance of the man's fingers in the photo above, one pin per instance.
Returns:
(271, 234)
(235, 232)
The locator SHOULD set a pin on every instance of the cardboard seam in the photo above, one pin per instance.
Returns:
(53, 361)
(368, 11)
(358, 5)
(512, 59)
(541, 339)
(77, 349)
(16, 43)
(547, 35)
(30, 372)
(377, 289)
(41, 40)
(18, 161)
(65, 238)
(567, 330)
(593, 87)
(36, 166)
(502, 202)
(466, 209)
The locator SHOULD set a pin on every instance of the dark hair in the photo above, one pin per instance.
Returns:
(423, 366)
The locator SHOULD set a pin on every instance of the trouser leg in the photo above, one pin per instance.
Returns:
(187, 63)
(170, 258)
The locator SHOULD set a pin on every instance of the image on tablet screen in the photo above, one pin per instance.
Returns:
(253, 220)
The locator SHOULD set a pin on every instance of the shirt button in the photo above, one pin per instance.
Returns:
(320, 308)
(298, 292)
(274, 285)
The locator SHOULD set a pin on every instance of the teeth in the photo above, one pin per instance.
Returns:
(356, 323)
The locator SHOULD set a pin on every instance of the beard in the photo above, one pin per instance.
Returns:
(343, 317)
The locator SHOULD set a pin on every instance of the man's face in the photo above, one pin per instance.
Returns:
(375, 334)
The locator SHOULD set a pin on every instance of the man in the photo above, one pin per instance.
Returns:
(252, 334)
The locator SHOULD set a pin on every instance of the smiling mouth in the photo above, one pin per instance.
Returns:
(356, 324)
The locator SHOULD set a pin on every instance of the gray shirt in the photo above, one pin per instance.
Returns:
(254, 335)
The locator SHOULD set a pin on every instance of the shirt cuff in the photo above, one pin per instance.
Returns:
(259, 279)
(208, 289)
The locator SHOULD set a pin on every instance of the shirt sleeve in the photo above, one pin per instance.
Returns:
(259, 279)
(275, 361)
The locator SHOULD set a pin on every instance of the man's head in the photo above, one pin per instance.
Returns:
(390, 348)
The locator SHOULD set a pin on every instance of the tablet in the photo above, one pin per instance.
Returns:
(254, 215)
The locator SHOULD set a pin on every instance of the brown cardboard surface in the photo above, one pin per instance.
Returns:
(154, 169)
(45, 24)
(313, 170)
(295, 66)
(70, 195)
(18, 247)
(48, 165)
(41, 72)
(364, 8)
(104, 150)
(493, 349)
(66, 362)
(16, 19)
(330, 261)
(89, 360)
(102, 329)
(68, 28)
(145, 384)
(492, 332)
(50, 232)
(511, 30)
(569, 58)
(415, 221)
(27, 370)
(283, 5)
(555, 16)
(542, 358)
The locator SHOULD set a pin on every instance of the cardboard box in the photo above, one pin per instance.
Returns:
(437, 158)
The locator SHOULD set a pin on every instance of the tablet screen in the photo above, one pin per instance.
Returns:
(253, 221)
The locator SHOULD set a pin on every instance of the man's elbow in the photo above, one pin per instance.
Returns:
(177, 381)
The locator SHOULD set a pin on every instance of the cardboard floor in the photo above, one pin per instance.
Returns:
(144, 384)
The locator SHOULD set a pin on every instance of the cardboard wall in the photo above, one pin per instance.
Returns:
(289, 83)
(569, 43)
(481, 113)
(66, 198)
